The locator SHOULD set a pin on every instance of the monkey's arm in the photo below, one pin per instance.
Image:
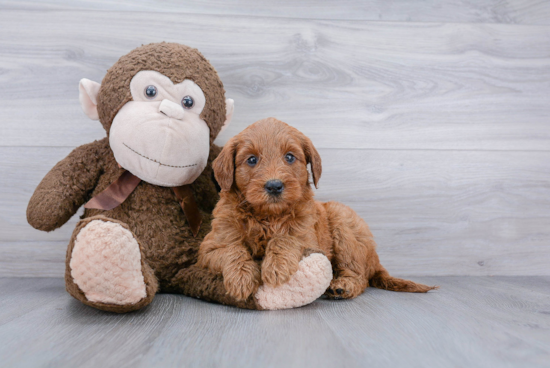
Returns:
(66, 187)
(204, 187)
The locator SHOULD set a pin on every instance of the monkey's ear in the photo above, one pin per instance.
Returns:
(224, 165)
(87, 94)
(313, 158)
(229, 108)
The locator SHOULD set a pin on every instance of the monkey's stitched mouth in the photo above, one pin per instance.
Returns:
(155, 161)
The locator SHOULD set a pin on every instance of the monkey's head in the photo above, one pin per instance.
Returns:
(162, 106)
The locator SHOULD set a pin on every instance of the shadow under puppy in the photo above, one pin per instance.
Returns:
(267, 218)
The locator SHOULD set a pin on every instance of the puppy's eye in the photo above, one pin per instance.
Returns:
(187, 102)
(150, 92)
(252, 161)
(289, 157)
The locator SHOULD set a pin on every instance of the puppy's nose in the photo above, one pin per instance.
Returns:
(171, 109)
(274, 187)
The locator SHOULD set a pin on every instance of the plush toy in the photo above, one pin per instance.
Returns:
(147, 188)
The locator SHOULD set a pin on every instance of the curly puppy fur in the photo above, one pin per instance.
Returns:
(259, 237)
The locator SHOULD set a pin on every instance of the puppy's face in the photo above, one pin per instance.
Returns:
(267, 163)
(270, 169)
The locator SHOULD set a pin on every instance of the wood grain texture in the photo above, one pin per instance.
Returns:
(469, 322)
(33, 259)
(466, 11)
(436, 133)
(432, 212)
(347, 84)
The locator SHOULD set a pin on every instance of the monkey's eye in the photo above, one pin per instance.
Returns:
(150, 92)
(289, 157)
(252, 161)
(187, 102)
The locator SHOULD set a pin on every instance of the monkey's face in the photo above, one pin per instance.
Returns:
(162, 105)
(159, 136)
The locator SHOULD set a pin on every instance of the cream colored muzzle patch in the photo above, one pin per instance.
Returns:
(155, 137)
(164, 146)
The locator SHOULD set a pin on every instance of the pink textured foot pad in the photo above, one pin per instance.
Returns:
(106, 264)
(309, 283)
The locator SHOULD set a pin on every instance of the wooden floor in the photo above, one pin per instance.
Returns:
(470, 322)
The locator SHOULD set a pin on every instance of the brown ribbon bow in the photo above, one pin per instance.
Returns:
(120, 189)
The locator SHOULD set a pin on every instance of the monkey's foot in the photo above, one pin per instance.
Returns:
(305, 286)
(105, 268)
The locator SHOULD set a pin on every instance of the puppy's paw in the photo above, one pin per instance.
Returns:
(241, 282)
(277, 271)
(344, 288)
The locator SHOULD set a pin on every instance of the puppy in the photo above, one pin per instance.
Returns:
(267, 219)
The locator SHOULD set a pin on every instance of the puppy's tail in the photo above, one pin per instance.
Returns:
(382, 280)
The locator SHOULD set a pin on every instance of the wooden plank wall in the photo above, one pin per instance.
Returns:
(432, 117)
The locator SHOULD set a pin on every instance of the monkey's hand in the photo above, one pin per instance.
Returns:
(66, 187)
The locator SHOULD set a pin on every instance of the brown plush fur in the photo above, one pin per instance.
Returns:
(177, 62)
(259, 238)
(152, 213)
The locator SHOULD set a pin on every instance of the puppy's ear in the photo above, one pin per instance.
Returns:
(224, 165)
(313, 158)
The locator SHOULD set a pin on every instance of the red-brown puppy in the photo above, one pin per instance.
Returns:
(266, 218)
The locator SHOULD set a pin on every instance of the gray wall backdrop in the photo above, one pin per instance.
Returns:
(432, 117)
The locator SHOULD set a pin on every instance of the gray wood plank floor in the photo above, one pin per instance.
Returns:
(470, 322)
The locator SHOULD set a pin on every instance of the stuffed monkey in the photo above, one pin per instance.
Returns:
(147, 188)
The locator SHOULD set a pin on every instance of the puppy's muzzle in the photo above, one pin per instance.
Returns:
(274, 187)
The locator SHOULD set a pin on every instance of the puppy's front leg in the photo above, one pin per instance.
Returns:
(241, 275)
(281, 261)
